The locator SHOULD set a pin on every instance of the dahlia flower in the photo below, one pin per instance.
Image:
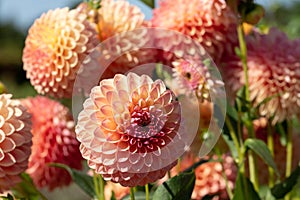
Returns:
(130, 130)
(55, 47)
(261, 131)
(209, 22)
(15, 141)
(53, 141)
(273, 66)
(194, 77)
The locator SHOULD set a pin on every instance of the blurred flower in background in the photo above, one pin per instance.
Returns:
(53, 142)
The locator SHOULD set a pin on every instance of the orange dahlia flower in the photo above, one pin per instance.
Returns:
(53, 140)
(130, 130)
(56, 45)
(15, 141)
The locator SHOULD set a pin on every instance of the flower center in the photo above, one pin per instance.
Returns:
(141, 117)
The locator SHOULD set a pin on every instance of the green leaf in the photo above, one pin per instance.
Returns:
(84, 181)
(262, 150)
(281, 189)
(26, 189)
(232, 112)
(177, 188)
(231, 146)
(149, 3)
(244, 189)
(8, 197)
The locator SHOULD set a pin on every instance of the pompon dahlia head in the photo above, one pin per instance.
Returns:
(194, 77)
(122, 51)
(274, 72)
(53, 140)
(56, 45)
(209, 22)
(15, 141)
(130, 131)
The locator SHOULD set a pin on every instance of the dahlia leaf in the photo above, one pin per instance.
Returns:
(232, 112)
(281, 189)
(231, 146)
(83, 180)
(177, 188)
(244, 189)
(262, 150)
(150, 3)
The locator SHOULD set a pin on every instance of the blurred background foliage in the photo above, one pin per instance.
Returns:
(285, 17)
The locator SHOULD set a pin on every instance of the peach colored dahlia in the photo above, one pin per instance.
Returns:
(194, 77)
(210, 22)
(53, 140)
(129, 129)
(274, 71)
(15, 141)
(55, 47)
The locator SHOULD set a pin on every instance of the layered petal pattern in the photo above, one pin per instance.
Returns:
(209, 22)
(274, 72)
(130, 130)
(53, 140)
(15, 141)
(56, 45)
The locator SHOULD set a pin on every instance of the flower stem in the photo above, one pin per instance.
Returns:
(132, 193)
(102, 184)
(289, 153)
(243, 56)
(270, 142)
(96, 186)
(147, 191)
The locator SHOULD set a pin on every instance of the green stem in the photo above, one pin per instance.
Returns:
(289, 153)
(147, 191)
(270, 142)
(32, 186)
(132, 193)
(243, 55)
(102, 184)
(96, 185)
(232, 134)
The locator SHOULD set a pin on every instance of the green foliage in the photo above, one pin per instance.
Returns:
(84, 181)
(177, 188)
(262, 150)
(150, 3)
(281, 189)
(285, 17)
(244, 189)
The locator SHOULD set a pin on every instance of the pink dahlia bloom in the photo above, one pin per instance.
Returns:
(130, 129)
(273, 65)
(209, 22)
(15, 141)
(55, 47)
(53, 140)
(194, 77)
